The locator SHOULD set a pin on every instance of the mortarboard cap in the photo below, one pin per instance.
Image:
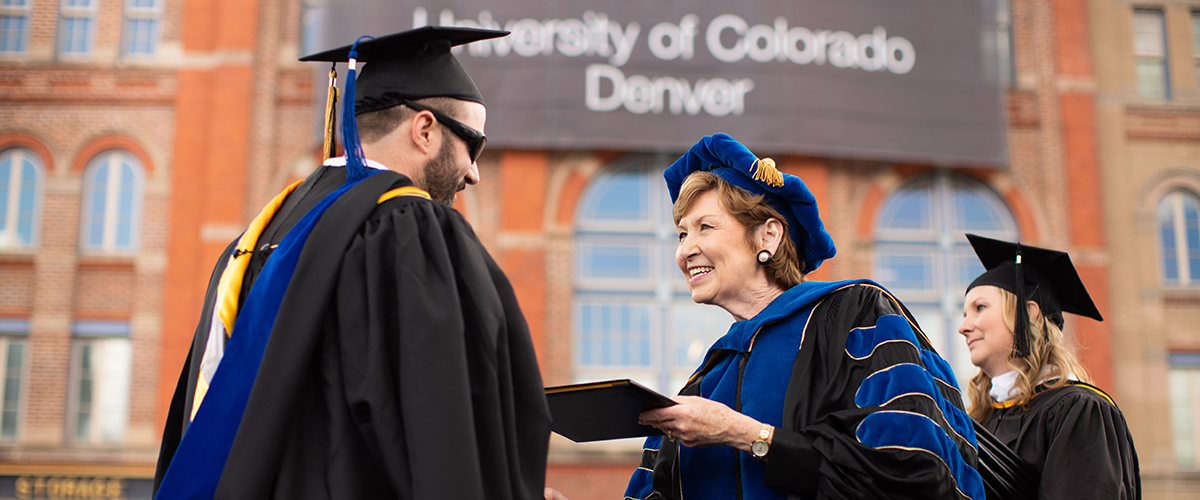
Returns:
(404, 66)
(728, 159)
(1044, 276)
(410, 65)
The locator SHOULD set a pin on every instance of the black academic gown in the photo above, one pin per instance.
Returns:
(1077, 439)
(400, 365)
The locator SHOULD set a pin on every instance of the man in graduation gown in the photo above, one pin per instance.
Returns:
(358, 341)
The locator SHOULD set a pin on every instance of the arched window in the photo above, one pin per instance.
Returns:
(1179, 238)
(112, 203)
(633, 314)
(922, 254)
(20, 198)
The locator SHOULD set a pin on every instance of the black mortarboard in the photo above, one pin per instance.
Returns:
(1044, 276)
(404, 66)
(411, 65)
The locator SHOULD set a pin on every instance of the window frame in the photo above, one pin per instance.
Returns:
(1161, 60)
(662, 290)
(21, 11)
(153, 14)
(108, 245)
(76, 12)
(14, 331)
(91, 334)
(1187, 277)
(943, 301)
(12, 216)
(1183, 373)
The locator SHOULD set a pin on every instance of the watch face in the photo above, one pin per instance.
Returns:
(759, 448)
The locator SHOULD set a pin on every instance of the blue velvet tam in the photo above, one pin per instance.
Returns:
(728, 159)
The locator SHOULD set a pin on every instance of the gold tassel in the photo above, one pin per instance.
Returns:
(328, 148)
(764, 171)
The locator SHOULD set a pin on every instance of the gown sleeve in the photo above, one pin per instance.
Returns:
(437, 362)
(1089, 453)
(873, 411)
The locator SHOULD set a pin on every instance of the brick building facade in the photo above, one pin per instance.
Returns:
(204, 106)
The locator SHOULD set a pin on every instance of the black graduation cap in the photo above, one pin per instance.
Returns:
(404, 66)
(411, 65)
(1044, 276)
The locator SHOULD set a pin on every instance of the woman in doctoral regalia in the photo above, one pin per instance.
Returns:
(1031, 393)
(820, 389)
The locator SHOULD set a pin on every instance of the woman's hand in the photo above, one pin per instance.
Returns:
(697, 421)
(553, 494)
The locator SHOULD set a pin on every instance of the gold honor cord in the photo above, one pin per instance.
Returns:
(331, 97)
(229, 288)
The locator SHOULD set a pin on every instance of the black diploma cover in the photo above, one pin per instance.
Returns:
(597, 411)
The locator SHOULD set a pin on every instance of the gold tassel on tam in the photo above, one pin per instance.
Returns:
(328, 149)
(764, 171)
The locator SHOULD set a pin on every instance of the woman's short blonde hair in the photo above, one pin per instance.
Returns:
(751, 211)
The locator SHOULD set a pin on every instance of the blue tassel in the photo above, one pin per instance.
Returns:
(356, 165)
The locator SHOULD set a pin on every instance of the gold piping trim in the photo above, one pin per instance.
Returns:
(404, 191)
(923, 450)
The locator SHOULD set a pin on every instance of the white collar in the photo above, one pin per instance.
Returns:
(340, 161)
(1004, 386)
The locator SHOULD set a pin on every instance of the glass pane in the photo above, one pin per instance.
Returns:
(1166, 233)
(1191, 228)
(966, 268)
(83, 401)
(908, 210)
(619, 197)
(142, 4)
(906, 272)
(12, 389)
(96, 216)
(1148, 33)
(12, 33)
(613, 335)
(25, 209)
(125, 206)
(140, 35)
(1182, 405)
(1196, 34)
(111, 407)
(973, 212)
(1150, 77)
(76, 32)
(613, 261)
(696, 327)
(6, 172)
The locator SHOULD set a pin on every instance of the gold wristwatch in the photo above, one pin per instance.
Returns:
(761, 446)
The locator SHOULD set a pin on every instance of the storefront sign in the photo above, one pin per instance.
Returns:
(56, 487)
(872, 79)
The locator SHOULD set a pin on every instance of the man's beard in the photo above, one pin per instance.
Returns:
(442, 180)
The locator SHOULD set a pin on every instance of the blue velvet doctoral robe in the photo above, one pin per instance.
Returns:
(863, 407)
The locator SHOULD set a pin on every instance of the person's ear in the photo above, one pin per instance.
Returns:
(1034, 310)
(770, 235)
(422, 132)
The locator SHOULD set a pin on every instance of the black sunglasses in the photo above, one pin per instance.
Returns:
(473, 138)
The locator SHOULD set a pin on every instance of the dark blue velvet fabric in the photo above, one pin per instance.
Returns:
(709, 472)
(198, 462)
(725, 157)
